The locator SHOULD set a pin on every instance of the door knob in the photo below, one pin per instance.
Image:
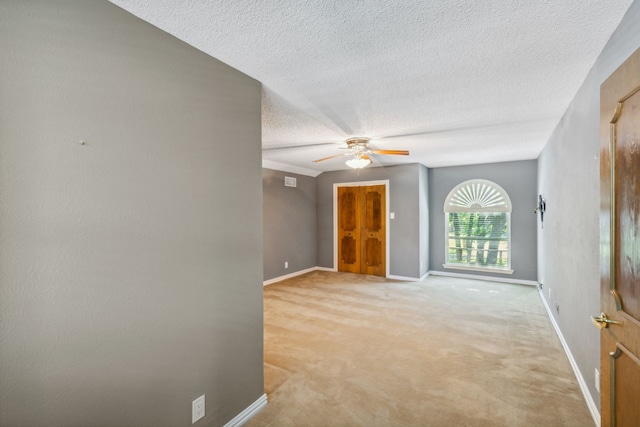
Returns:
(602, 321)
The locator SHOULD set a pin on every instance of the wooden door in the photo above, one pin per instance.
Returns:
(349, 229)
(620, 246)
(373, 230)
(362, 230)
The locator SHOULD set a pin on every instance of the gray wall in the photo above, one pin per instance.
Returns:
(423, 188)
(519, 181)
(289, 223)
(404, 201)
(131, 266)
(568, 177)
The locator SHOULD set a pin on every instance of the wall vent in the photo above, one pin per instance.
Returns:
(289, 181)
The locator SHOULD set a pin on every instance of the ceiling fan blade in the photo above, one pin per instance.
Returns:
(392, 152)
(327, 158)
(296, 146)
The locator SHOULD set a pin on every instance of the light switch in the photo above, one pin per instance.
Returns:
(197, 409)
(392, 215)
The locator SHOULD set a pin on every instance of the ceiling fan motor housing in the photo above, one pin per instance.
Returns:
(358, 146)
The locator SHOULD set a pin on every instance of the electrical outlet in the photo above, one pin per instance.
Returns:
(286, 264)
(197, 409)
(549, 294)
(558, 307)
(598, 381)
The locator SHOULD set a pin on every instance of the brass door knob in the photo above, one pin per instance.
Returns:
(602, 321)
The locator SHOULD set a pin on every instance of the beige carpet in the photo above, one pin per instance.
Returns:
(350, 350)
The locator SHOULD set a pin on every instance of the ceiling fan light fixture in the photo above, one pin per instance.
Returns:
(358, 163)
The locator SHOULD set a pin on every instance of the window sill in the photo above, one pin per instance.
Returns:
(484, 269)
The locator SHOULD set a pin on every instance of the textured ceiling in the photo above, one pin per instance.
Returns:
(454, 82)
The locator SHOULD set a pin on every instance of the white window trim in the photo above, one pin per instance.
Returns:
(448, 208)
(472, 268)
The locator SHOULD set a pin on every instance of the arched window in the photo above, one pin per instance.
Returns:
(478, 227)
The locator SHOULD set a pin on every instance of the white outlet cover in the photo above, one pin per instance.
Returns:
(598, 381)
(197, 409)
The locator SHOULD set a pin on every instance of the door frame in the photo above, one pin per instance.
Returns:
(384, 182)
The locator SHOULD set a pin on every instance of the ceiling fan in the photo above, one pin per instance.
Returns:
(359, 150)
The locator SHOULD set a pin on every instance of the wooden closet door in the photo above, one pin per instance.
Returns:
(362, 230)
(348, 229)
(373, 230)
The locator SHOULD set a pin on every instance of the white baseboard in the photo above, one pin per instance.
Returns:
(248, 413)
(288, 276)
(403, 278)
(591, 404)
(309, 270)
(487, 278)
(407, 279)
(294, 274)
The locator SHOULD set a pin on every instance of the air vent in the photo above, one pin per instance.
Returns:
(289, 181)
